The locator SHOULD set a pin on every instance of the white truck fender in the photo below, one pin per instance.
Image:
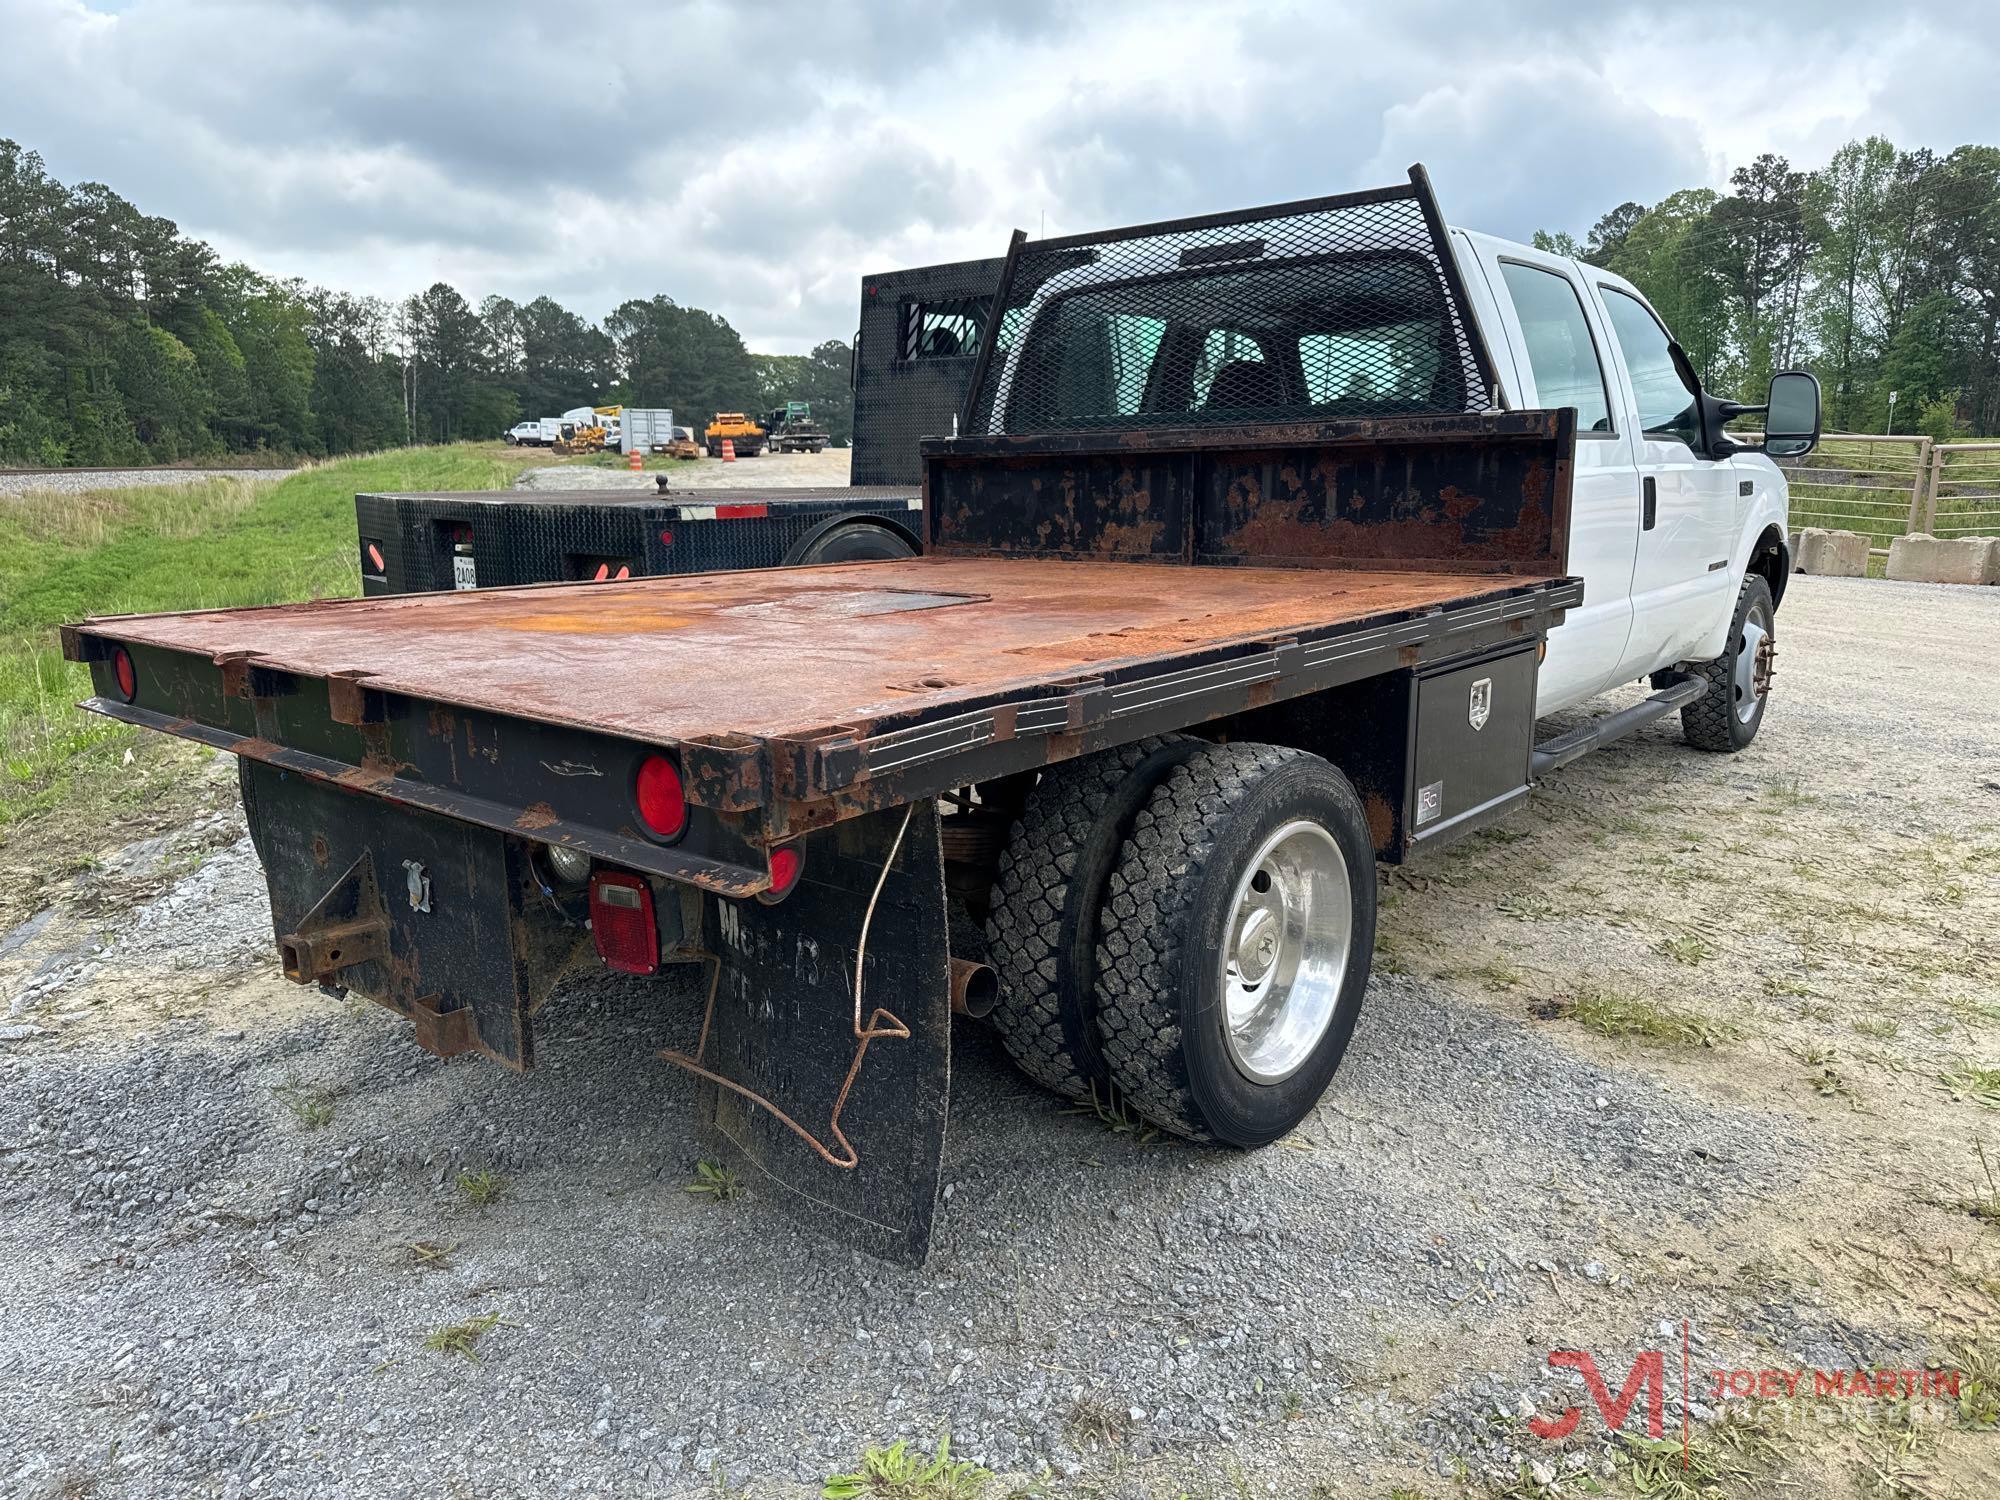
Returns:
(1764, 529)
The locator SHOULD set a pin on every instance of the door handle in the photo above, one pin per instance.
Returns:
(1650, 509)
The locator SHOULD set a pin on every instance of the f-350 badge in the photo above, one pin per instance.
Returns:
(1481, 708)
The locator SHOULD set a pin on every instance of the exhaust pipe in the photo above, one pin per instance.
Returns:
(974, 988)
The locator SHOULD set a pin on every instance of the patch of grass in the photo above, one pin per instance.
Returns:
(201, 545)
(1823, 1074)
(1970, 1010)
(462, 1338)
(1717, 1461)
(431, 1255)
(312, 1107)
(1786, 793)
(1979, 1084)
(1881, 1027)
(1611, 1014)
(714, 1182)
(899, 1473)
(1686, 949)
(483, 1188)
(1115, 1115)
(1978, 1364)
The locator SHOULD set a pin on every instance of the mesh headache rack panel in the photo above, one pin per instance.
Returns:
(1328, 308)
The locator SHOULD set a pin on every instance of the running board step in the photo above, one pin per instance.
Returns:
(1598, 733)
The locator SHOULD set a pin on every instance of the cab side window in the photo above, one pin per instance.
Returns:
(1560, 351)
(1666, 407)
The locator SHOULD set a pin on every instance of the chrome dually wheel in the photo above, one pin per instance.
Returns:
(1286, 958)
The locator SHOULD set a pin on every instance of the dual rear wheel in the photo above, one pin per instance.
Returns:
(1187, 927)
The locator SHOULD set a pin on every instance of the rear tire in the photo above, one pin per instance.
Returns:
(1236, 943)
(1727, 717)
(1043, 929)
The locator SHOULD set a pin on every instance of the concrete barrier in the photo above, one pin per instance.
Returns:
(1918, 558)
(1833, 554)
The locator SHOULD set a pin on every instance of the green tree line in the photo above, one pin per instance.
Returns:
(123, 340)
(1879, 272)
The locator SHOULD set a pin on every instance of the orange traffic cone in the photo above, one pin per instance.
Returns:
(634, 460)
(728, 450)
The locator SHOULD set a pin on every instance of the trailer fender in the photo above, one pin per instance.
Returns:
(819, 545)
(837, 1101)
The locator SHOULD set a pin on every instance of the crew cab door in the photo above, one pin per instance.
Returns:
(1552, 328)
(1681, 578)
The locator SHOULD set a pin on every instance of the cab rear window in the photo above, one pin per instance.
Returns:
(1325, 337)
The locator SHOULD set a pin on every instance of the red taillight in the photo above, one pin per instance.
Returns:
(603, 572)
(786, 864)
(126, 673)
(621, 919)
(662, 802)
(375, 559)
(741, 512)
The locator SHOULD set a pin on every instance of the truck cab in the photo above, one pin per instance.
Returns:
(1672, 520)
(1666, 523)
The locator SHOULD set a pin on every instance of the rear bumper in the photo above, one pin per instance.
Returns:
(442, 921)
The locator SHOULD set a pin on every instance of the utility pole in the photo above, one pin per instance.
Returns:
(1892, 415)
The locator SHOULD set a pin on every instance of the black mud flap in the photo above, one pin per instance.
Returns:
(442, 921)
(784, 1029)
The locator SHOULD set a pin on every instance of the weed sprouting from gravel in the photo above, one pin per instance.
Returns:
(1093, 1419)
(462, 1338)
(1980, 1084)
(430, 1255)
(714, 1182)
(1823, 1074)
(1611, 1014)
(483, 1188)
(898, 1473)
(311, 1107)
(1978, 1364)
(1115, 1115)
(1686, 949)
(1881, 1028)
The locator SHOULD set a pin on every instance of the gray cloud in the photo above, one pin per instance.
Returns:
(757, 161)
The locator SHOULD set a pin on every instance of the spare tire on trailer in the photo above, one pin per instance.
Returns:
(850, 541)
(1235, 943)
(1042, 933)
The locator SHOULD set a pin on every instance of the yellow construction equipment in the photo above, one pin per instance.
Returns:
(744, 434)
(578, 439)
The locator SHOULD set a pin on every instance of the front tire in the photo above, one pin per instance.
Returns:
(1236, 942)
(1727, 717)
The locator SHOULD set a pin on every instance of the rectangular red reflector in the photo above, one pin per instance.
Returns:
(621, 920)
(741, 512)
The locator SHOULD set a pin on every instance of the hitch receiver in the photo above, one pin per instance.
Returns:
(347, 927)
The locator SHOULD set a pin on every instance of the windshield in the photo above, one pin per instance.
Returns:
(1324, 337)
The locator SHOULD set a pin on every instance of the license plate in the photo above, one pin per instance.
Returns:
(463, 574)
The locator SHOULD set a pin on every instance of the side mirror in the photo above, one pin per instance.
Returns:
(1791, 414)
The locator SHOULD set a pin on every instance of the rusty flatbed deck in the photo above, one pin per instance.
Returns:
(784, 652)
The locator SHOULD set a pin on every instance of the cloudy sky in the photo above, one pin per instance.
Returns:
(757, 159)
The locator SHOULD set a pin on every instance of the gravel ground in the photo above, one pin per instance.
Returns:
(767, 469)
(75, 483)
(231, 1210)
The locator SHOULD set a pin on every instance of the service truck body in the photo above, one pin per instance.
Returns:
(1320, 589)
